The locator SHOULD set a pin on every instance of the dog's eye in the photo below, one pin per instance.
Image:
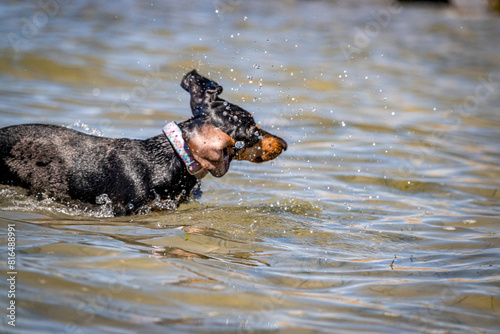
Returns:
(239, 144)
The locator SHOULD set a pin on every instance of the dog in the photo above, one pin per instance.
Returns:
(135, 175)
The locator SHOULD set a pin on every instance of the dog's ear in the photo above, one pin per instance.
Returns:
(212, 148)
(203, 91)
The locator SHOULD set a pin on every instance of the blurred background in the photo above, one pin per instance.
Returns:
(382, 216)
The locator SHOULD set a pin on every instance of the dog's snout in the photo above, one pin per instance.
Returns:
(283, 143)
(268, 148)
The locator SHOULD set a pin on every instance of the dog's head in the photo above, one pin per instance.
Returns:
(229, 127)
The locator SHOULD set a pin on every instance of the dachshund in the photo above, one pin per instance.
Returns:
(137, 175)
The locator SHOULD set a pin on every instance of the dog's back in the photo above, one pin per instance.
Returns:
(38, 156)
(64, 162)
(17, 154)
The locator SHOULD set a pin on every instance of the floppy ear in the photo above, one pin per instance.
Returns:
(212, 148)
(203, 91)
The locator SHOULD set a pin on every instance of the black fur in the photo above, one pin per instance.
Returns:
(68, 164)
(230, 118)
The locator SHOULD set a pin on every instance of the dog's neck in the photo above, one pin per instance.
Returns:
(174, 135)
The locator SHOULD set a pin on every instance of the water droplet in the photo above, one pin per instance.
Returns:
(102, 199)
(224, 113)
(239, 144)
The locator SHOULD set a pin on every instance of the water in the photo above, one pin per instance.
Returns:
(382, 216)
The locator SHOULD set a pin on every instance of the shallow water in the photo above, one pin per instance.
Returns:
(382, 216)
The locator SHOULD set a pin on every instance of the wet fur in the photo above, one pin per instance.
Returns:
(68, 164)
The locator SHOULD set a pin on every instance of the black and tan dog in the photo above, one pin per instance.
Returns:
(67, 164)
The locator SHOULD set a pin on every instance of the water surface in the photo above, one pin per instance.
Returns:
(382, 216)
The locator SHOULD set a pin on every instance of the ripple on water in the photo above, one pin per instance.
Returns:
(382, 215)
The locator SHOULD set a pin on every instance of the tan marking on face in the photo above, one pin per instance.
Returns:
(268, 148)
